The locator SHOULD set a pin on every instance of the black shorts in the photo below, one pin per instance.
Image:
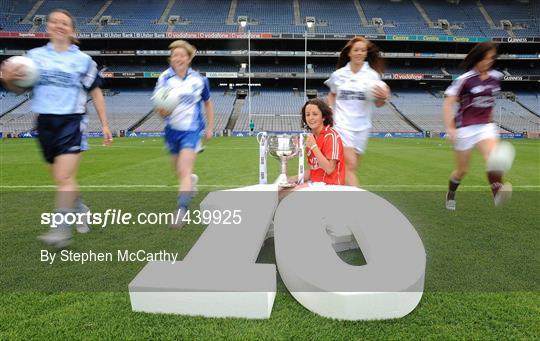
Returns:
(62, 134)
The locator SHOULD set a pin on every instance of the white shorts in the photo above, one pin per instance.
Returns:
(356, 139)
(467, 137)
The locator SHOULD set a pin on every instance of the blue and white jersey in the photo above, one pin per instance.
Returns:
(193, 90)
(64, 80)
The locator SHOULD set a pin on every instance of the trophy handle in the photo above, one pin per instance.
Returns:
(260, 136)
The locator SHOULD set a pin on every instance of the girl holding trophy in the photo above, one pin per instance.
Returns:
(324, 148)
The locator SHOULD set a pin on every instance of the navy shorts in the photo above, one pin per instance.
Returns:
(62, 134)
(177, 140)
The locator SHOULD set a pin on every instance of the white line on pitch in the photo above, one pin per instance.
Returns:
(237, 186)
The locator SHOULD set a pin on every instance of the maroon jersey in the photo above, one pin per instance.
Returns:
(476, 97)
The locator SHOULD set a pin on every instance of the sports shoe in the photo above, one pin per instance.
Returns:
(59, 238)
(83, 226)
(178, 222)
(194, 181)
(450, 204)
(503, 194)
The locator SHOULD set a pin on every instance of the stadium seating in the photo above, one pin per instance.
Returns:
(268, 14)
(272, 123)
(124, 109)
(404, 15)
(465, 14)
(523, 71)
(424, 109)
(13, 12)
(514, 117)
(201, 18)
(339, 18)
(266, 103)
(530, 100)
(18, 120)
(400, 17)
(8, 101)
(162, 67)
(136, 16)
(385, 119)
(83, 11)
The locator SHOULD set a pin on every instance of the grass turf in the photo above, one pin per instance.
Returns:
(481, 276)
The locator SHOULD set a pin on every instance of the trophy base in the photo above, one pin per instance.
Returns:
(286, 185)
(283, 182)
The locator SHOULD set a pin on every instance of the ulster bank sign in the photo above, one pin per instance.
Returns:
(219, 277)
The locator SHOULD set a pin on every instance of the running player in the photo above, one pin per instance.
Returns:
(59, 97)
(185, 125)
(359, 64)
(471, 126)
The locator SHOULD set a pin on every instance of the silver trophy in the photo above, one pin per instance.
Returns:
(283, 148)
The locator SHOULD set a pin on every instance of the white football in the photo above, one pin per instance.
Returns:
(30, 69)
(501, 157)
(166, 99)
(370, 88)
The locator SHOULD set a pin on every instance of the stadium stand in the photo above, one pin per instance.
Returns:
(399, 17)
(267, 15)
(424, 109)
(18, 120)
(278, 110)
(514, 117)
(530, 100)
(124, 109)
(162, 67)
(465, 19)
(272, 110)
(199, 18)
(83, 11)
(334, 18)
(8, 101)
(272, 123)
(415, 69)
(385, 119)
(528, 71)
(521, 15)
(348, 16)
(266, 103)
(135, 16)
(13, 14)
(258, 67)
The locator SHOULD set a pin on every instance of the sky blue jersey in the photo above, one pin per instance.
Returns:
(64, 80)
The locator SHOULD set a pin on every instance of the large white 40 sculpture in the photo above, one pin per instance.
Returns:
(219, 276)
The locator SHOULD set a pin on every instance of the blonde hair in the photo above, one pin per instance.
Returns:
(190, 49)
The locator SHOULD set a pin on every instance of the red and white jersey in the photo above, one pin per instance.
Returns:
(352, 110)
(476, 97)
(329, 142)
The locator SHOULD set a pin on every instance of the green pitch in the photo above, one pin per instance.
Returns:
(482, 263)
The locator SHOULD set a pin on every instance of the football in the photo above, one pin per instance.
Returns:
(502, 157)
(166, 99)
(370, 88)
(30, 69)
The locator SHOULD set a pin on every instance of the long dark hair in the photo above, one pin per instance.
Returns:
(478, 52)
(327, 114)
(373, 56)
(73, 39)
